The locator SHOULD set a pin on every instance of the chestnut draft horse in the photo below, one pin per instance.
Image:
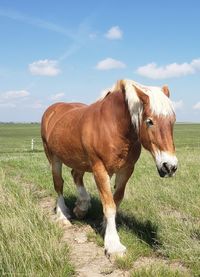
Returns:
(105, 138)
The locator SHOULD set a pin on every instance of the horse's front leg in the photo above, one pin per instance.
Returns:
(121, 180)
(112, 242)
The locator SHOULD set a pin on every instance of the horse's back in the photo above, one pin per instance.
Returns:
(55, 113)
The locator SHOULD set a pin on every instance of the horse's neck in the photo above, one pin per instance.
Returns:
(120, 113)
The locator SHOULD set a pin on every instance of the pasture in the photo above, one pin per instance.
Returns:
(158, 221)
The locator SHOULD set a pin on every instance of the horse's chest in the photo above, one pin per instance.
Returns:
(119, 157)
(125, 155)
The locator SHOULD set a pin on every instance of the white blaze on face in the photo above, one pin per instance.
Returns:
(164, 158)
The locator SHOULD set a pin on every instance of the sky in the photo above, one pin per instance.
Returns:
(52, 51)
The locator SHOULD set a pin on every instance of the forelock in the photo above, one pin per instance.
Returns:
(159, 103)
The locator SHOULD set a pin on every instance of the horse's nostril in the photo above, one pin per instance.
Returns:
(174, 168)
(166, 167)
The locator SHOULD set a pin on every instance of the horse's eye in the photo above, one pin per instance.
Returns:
(149, 122)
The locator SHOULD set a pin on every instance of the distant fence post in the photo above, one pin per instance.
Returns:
(32, 144)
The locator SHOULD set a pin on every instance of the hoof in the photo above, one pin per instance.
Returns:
(79, 213)
(66, 222)
(63, 221)
(118, 250)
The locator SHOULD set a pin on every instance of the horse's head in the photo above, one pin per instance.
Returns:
(155, 128)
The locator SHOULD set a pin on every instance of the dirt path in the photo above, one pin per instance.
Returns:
(88, 258)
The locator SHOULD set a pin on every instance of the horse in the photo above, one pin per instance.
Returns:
(105, 138)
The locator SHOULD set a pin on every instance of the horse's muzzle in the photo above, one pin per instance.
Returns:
(167, 170)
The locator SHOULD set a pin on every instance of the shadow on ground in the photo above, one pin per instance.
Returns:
(144, 230)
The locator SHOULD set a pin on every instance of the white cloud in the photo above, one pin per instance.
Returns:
(14, 94)
(10, 99)
(196, 64)
(178, 105)
(197, 106)
(114, 33)
(153, 71)
(57, 96)
(110, 63)
(44, 67)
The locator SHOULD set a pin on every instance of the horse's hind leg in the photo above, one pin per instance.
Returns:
(61, 209)
(83, 200)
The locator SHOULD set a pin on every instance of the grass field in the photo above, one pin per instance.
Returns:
(159, 219)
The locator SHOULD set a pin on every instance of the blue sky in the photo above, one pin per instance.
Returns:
(72, 50)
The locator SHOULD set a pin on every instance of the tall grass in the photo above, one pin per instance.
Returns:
(29, 243)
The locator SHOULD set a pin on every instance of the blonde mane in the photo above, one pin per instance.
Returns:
(160, 104)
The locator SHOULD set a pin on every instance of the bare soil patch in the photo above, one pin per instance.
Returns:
(88, 258)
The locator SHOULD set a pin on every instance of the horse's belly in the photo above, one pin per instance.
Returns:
(70, 153)
(78, 163)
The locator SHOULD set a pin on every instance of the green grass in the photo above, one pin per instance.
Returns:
(17, 138)
(29, 243)
(158, 219)
(158, 270)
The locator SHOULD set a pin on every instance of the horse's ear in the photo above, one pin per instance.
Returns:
(143, 96)
(120, 85)
(165, 89)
